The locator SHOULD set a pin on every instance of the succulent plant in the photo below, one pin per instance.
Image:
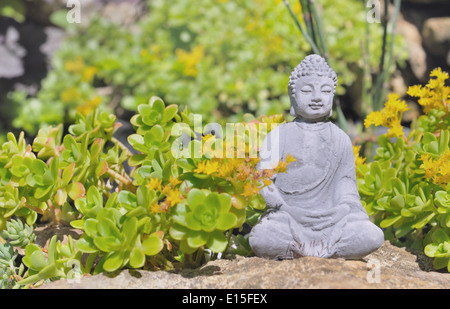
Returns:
(47, 141)
(152, 114)
(406, 188)
(122, 236)
(167, 209)
(60, 262)
(18, 234)
(439, 249)
(7, 254)
(8, 270)
(203, 220)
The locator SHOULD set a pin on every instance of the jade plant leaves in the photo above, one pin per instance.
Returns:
(34, 257)
(154, 113)
(163, 209)
(152, 245)
(439, 249)
(117, 230)
(58, 263)
(91, 204)
(406, 191)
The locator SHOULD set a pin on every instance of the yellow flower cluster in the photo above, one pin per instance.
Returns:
(75, 66)
(438, 170)
(190, 60)
(88, 74)
(78, 66)
(435, 94)
(70, 95)
(390, 116)
(207, 167)
(152, 53)
(358, 159)
(172, 194)
(89, 106)
(233, 160)
(242, 172)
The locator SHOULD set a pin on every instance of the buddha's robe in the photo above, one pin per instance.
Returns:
(314, 208)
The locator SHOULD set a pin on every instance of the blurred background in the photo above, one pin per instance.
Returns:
(229, 60)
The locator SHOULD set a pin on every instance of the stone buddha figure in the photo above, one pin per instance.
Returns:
(314, 209)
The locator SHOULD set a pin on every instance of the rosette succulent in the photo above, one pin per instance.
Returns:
(18, 234)
(203, 220)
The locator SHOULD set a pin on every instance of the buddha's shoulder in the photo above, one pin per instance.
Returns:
(292, 126)
(289, 126)
(338, 131)
(281, 128)
(340, 138)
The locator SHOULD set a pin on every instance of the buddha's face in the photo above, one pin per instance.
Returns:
(313, 97)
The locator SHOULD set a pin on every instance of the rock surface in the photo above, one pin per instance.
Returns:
(387, 268)
(436, 33)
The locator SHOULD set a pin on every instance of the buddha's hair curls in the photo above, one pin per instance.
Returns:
(312, 64)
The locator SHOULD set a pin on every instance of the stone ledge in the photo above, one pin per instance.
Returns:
(399, 269)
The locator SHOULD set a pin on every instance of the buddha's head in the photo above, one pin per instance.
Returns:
(312, 86)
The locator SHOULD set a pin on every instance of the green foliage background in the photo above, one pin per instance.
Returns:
(248, 49)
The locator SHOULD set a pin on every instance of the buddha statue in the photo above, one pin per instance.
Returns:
(314, 209)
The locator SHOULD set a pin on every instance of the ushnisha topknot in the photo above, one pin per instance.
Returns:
(312, 64)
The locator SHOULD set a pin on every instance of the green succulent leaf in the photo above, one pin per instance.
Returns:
(185, 248)
(178, 232)
(152, 245)
(114, 261)
(129, 229)
(442, 199)
(107, 243)
(34, 258)
(169, 112)
(127, 200)
(47, 272)
(75, 190)
(154, 136)
(137, 258)
(441, 262)
(108, 228)
(225, 202)
(86, 244)
(440, 236)
(196, 239)
(195, 197)
(226, 221)
(390, 221)
(217, 242)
